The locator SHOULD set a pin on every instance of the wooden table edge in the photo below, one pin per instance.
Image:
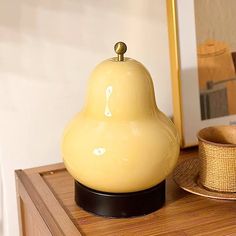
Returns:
(24, 181)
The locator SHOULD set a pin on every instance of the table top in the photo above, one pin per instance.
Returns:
(52, 190)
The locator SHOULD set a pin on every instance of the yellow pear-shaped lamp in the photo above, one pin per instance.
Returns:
(120, 147)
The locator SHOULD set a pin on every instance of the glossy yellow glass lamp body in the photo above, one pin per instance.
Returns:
(120, 142)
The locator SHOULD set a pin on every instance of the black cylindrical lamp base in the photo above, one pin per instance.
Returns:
(120, 205)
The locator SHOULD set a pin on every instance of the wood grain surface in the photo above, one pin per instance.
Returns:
(183, 213)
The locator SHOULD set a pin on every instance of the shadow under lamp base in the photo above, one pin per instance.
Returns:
(120, 205)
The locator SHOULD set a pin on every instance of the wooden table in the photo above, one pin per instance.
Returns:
(46, 207)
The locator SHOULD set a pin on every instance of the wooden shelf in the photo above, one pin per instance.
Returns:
(46, 207)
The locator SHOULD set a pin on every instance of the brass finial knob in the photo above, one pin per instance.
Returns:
(120, 48)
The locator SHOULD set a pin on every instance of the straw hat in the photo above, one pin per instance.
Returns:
(213, 173)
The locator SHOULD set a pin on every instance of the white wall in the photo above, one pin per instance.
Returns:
(47, 50)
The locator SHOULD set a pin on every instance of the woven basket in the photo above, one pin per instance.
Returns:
(217, 155)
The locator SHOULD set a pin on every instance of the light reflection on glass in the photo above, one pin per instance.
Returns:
(99, 151)
(108, 94)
